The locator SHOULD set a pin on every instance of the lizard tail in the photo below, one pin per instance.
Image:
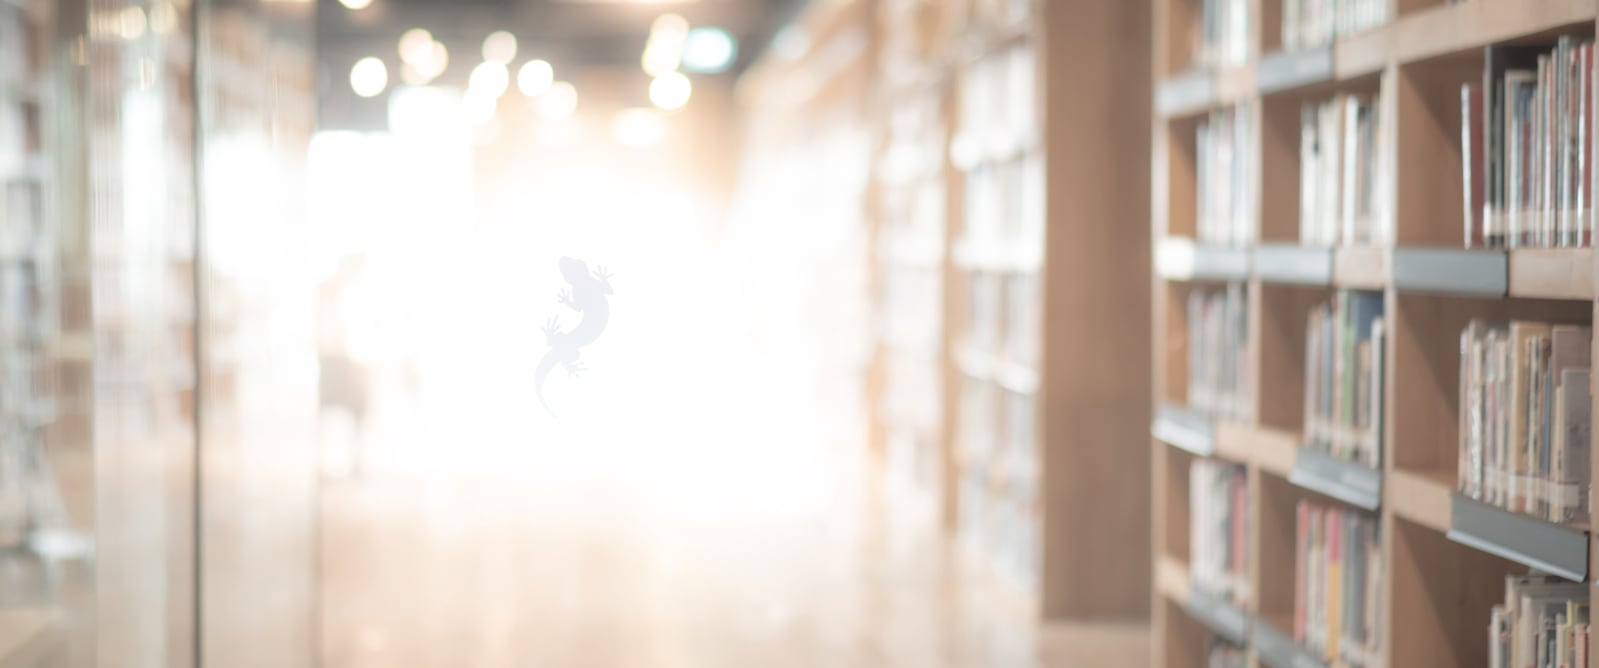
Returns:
(540, 392)
(538, 380)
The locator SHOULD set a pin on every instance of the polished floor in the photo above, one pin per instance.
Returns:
(474, 572)
(693, 506)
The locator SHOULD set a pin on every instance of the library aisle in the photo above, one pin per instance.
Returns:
(730, 544)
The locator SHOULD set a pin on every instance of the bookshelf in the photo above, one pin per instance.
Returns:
(997, 252)
(1008, 229)
(1440, 559)
(909, 213)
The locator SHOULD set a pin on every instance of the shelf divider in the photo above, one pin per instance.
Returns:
(1294, 264)
(1452, 271)
(1184, 429)
(1180, 259)
(1222, 617)
(1338, 478)
(1185, 94)
(1520, 538)
(1277, 649)
(1286, 70)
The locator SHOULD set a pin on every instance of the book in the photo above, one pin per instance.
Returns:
(1218, 379)
(1472, 171)
(1312, 23)
(1337, 582)
(1225, 163)
(1338, 171)
(1524, 418)
(1343, 377)
(1525, 148)
(1219, 529)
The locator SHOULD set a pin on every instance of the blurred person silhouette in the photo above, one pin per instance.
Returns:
(344, 383)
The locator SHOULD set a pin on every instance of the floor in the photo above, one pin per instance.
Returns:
(695, 504)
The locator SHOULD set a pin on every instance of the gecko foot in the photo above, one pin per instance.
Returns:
(565, 298)
(551, 328)
(574, 368)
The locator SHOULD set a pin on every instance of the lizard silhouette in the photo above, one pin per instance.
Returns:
(587, 296)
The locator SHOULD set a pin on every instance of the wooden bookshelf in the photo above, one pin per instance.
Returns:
(1041, 262)
(1443, 556)
(909, 213)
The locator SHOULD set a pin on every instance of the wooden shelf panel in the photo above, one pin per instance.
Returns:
(1361, 268)
(1221, 617)
(1343, 480)
(1362, 54)
(1186, 94)
(1268, 449)
(1281, 71)
(1293, 264)
(27, 637)
(1179, 259)
(1451, 271)
(1095, 644)
(1552, 273)
(1184, 429)
(1524, 539)
(1421, 497)
(1432, 33)
(1277, 649)
(1466, 27)
(1171, 579)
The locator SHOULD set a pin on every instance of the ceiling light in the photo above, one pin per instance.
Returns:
(491, 77)
(560, 101)
(368, 77)
(708, 50)
(660, 57)
(356, 4)
(669, 25)
(416, 46)
(535, 77)
(438, 59)
(499, 47)
(670, 90)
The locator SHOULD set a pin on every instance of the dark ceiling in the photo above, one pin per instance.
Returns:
(573, 35)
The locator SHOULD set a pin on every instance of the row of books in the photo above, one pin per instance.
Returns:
(14, 133)
(911, 303)
(1344, 377)
(1338, 580)
(998, 94)
(1218, 362)
(1543, 623)
(20, 209)
(912, 216)
(1225, 177)
(1224, 37)
(18, 302)
(912, 394)
(999, 494)
(15, 42)
(1004, 202)
(1526, 147)
(1338, 179)
(1312, 23)
(996, 428)
(1525, 417)
(1003, 317)
(1218, 535)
